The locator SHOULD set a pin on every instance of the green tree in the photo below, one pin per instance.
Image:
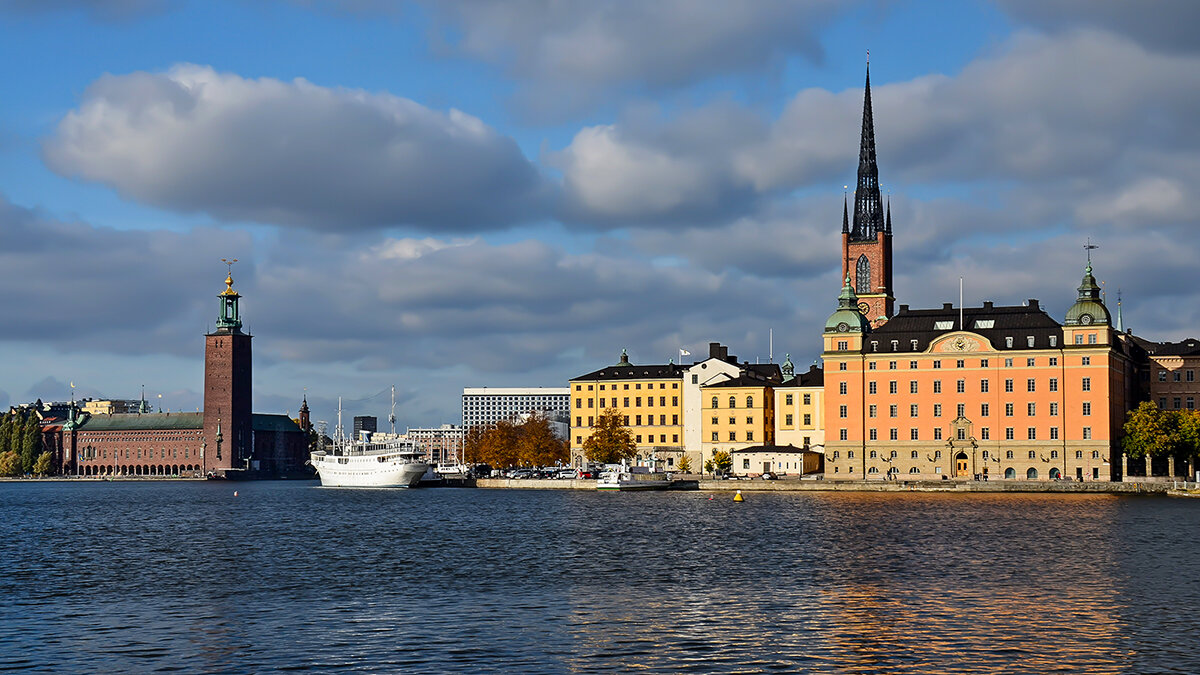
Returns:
(6, 421)
(1147, 432)
(685, 464)
(44, 464)
(722, 462)
(10, 464)
(31, 443)
(611, 441)
(537, 445)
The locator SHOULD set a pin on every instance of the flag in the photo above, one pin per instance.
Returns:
(684, 352)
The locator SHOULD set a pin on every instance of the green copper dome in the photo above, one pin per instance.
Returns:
(1088, 309)
(847, 318)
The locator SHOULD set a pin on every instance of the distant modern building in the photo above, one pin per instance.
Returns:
(487, 405)
(114, 406)
(365, 423)
(443, 444)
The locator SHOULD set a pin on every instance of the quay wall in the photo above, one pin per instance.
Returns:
(859, 486)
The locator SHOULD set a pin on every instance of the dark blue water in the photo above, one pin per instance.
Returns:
(139, 577)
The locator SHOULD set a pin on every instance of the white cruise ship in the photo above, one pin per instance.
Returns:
(361, 462)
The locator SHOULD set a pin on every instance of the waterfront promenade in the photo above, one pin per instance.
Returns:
(1055, 487)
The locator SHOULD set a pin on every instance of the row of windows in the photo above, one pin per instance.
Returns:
(788, 400)
(733, 436)
(1030, 362)
(985, 434)
(960, 386)
(605, 402)
(732, 420)
(985, 409)
(636, 385)
(662, 438)
(789, 420)
(637, 420)
(1191, 403)
(937, 454)
(1162, 376)
(1009, 473)
(91, 452)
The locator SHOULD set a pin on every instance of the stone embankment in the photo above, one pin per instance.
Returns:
(786, 485)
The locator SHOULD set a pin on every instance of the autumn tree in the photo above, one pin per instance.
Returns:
(722, 462)
(473, 443)
(44, 464)
(611, 441)
(10, 463)
(685, 464)
(537, 445)
(498, 447)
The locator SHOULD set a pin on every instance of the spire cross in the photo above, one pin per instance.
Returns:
(229, 264)
(1089, 246)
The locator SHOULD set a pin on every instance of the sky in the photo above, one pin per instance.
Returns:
(438, 195)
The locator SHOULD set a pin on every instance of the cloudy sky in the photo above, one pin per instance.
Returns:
(509, 192)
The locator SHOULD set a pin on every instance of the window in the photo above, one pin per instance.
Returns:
(1190, 376)
(871, 388)
(1086, 384)
(1162, 404)
(837, 454)
(695, 379)
(1191, 403)
(750, 401)
(871, 410)
(714, 436)
(914, 345)
(602, 401)
(912, 387)
(1053, 343)
(893, 455)
(1053, 359)
(1054, 408)
(983, 363)
(842, 436)
(1008, 363)
(578, 403)
(912, 434)
(937, 386)
(893, 434)
(733, 435)
(787, 399)
(714, 403)
(849, 453)
(842, 365)
(1032, 454)
(1031, 384)
(714, 421)
(639, 420)
(1031, 409)
(1176, 402)
(892, 387)
(912, 365)
(842, 411)
(1053, 454)
(732, 402)
(874, 434)
(937, 409)
(937, 364)
(1031, 433)
(986, 456)
(591, 421)
(807, 419)
(842, 345)
(914, 454)
(1054, 384)
(1079, 338)
(1087, 408)
(983, 386)
(787, 420)
(1008, 410)
(937, 433)
(1008, 454)
(984, 409)
(749, 435)
(962, 410)
(808, 399)
(960, 386)
(1086, 361)
(1087, 433)
(578, 421)
(1008, 342)
(636, 401)
(1008, 433)
(960, 363)
(1008, 385)
(984, 433)
(1091, 338)
(842, 387)
(1095, 454)
(871, 364)
(912, 410)
(937, 454)
(1054, 436)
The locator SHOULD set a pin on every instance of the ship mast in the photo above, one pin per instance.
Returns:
(392, 416)
(341, 439)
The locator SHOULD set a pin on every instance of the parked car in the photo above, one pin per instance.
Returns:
(521, 474)
(565, 474)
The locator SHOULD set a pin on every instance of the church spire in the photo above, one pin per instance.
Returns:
(868, 207)
(845, 216)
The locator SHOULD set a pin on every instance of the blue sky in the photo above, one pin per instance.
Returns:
(441, 195)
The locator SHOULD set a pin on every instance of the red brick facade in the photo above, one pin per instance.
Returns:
(227, 394)
(877, 304)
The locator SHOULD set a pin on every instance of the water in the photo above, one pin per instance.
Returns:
(142, 577)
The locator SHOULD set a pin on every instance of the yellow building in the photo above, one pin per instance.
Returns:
(799, 409)
(648, 397)
(735, 414)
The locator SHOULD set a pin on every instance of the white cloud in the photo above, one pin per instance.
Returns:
(293, 153)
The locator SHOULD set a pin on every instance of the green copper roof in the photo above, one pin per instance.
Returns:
(847, 318)
(145, 422)
(1089, 308)
(264, 422)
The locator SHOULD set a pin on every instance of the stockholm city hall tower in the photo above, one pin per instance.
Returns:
(227, 386)
(867, 239)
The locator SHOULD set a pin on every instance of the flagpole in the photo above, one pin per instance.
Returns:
(960, 303)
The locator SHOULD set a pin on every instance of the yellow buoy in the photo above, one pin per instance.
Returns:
(738, 497)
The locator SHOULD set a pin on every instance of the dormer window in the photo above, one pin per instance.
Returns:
(1029, 340)
(874, 345)
(985, 323)
(914, 344)
(1008, 342)
(1053, 341)
(895, 345)
(943, 325)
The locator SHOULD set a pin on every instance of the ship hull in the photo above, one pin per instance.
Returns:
(367, 471)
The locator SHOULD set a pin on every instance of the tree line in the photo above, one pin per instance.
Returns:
(21, 451)
(1154, 433)
(509, 443)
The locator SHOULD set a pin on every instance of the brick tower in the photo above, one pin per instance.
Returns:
(867, 240)
(227, 373)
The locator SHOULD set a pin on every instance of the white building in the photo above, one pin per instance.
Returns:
(488, 405)
(718, 367)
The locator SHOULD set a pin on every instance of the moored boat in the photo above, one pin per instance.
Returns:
(365, 462)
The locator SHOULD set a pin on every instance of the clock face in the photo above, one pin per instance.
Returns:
(1085, 319)
(843, 327)
(863, 308)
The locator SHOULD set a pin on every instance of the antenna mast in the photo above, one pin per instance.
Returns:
(392, 416)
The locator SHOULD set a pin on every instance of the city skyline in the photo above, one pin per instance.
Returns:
(501, 195)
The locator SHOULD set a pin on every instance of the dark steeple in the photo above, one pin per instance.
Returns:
(868, 207)
(845, 216)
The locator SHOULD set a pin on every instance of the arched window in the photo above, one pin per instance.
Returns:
(1054, 474)
(914, 470)
(862, 275)
(1031, 474)
(749, 401)
(873, 470)
(714, 403)
(732, 401)
(1010, 473)
(873, 455)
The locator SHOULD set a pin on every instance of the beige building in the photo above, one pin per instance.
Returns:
(735, 414)
(781, 460)
(800, 410)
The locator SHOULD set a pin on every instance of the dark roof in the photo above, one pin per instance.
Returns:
(634, 372)
(264, 422)
(994, 323)
(773, 448)
(1185, 347)
(744, 381)
(770, 371)
(143, 422)
(815, 377)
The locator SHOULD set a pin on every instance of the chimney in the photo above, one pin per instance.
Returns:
(714, 350)
(903, 308)
(987, 304)
(947, 305)
(1033, 303)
